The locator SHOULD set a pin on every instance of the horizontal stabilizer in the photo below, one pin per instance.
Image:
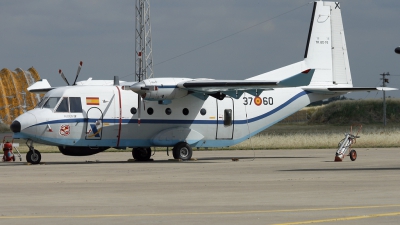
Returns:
(330, 90)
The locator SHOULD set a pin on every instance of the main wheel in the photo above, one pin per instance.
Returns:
(182, 151)
(141, 154)
(353, 155)
(33, 156)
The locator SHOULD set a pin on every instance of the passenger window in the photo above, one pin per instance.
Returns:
(228, 117)
(51, 103)
(75, 104)
(63, 106)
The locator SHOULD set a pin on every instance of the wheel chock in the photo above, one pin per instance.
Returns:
(134, 160)
(29, 164)
(175, 160)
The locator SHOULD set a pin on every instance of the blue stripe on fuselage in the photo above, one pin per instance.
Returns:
(165, 121)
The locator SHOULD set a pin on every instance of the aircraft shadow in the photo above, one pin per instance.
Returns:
(198, 160)
(257, 157)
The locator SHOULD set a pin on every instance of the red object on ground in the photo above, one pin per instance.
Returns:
(8, 154)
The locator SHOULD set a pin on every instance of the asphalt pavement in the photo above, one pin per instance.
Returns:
(221, 187)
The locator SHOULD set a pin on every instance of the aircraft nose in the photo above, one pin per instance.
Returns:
(15, 126)
(23, 122)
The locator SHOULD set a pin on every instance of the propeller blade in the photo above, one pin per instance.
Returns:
(144, 103)
(63, 77)
(139, 100)
(77, 73)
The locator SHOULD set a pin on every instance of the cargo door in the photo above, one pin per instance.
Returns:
(225, 117)
(94, 124)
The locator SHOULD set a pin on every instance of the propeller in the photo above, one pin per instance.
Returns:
(63, 77)
(139, 79)
(77, 74)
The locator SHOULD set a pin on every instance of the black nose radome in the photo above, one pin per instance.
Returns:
(15, 126)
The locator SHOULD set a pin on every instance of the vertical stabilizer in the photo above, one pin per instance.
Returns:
(326, 47)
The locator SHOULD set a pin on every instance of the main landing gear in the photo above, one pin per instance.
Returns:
(181, 150)
(32, 156)
(141, 153)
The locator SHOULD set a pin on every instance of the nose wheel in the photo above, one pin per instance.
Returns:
(33, 156)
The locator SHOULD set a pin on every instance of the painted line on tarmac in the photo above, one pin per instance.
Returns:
(205, 213)
(342, 219)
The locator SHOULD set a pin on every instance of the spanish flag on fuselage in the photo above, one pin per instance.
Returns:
(92, 101)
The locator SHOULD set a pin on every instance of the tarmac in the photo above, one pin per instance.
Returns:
(261, 187)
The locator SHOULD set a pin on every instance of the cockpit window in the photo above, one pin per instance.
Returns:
(42, 101)
(63, 106)
(71, 104)
(75, 104)
(51, 103)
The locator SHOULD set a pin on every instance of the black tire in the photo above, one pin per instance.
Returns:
(353, 155)
(33, 158)
(141, 154)
(182, 151)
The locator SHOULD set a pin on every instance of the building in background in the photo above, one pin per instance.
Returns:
(14, 98)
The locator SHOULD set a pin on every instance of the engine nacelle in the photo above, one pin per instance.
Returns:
(160, 88)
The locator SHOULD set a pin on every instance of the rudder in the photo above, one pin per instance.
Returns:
(326, 47)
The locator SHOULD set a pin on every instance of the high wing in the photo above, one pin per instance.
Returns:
(251, 86)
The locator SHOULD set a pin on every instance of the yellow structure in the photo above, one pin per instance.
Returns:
(14, 98)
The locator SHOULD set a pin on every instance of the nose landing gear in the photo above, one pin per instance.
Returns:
(32, 156)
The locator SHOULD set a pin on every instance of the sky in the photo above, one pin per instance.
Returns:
(52, 34)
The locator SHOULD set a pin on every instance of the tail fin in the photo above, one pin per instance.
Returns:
(325, 51)
(326, 47)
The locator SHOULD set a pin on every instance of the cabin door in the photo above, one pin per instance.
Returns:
(94, 124)
(225, 125)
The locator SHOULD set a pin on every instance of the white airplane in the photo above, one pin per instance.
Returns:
(183, 113)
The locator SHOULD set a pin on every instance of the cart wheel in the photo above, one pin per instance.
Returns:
(353, 155)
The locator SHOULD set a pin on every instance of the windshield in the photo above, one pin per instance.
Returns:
(51, 102)
(63, 106)
(71, 104)
(41, 102)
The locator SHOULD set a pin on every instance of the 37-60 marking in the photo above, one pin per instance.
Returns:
(257, 100)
